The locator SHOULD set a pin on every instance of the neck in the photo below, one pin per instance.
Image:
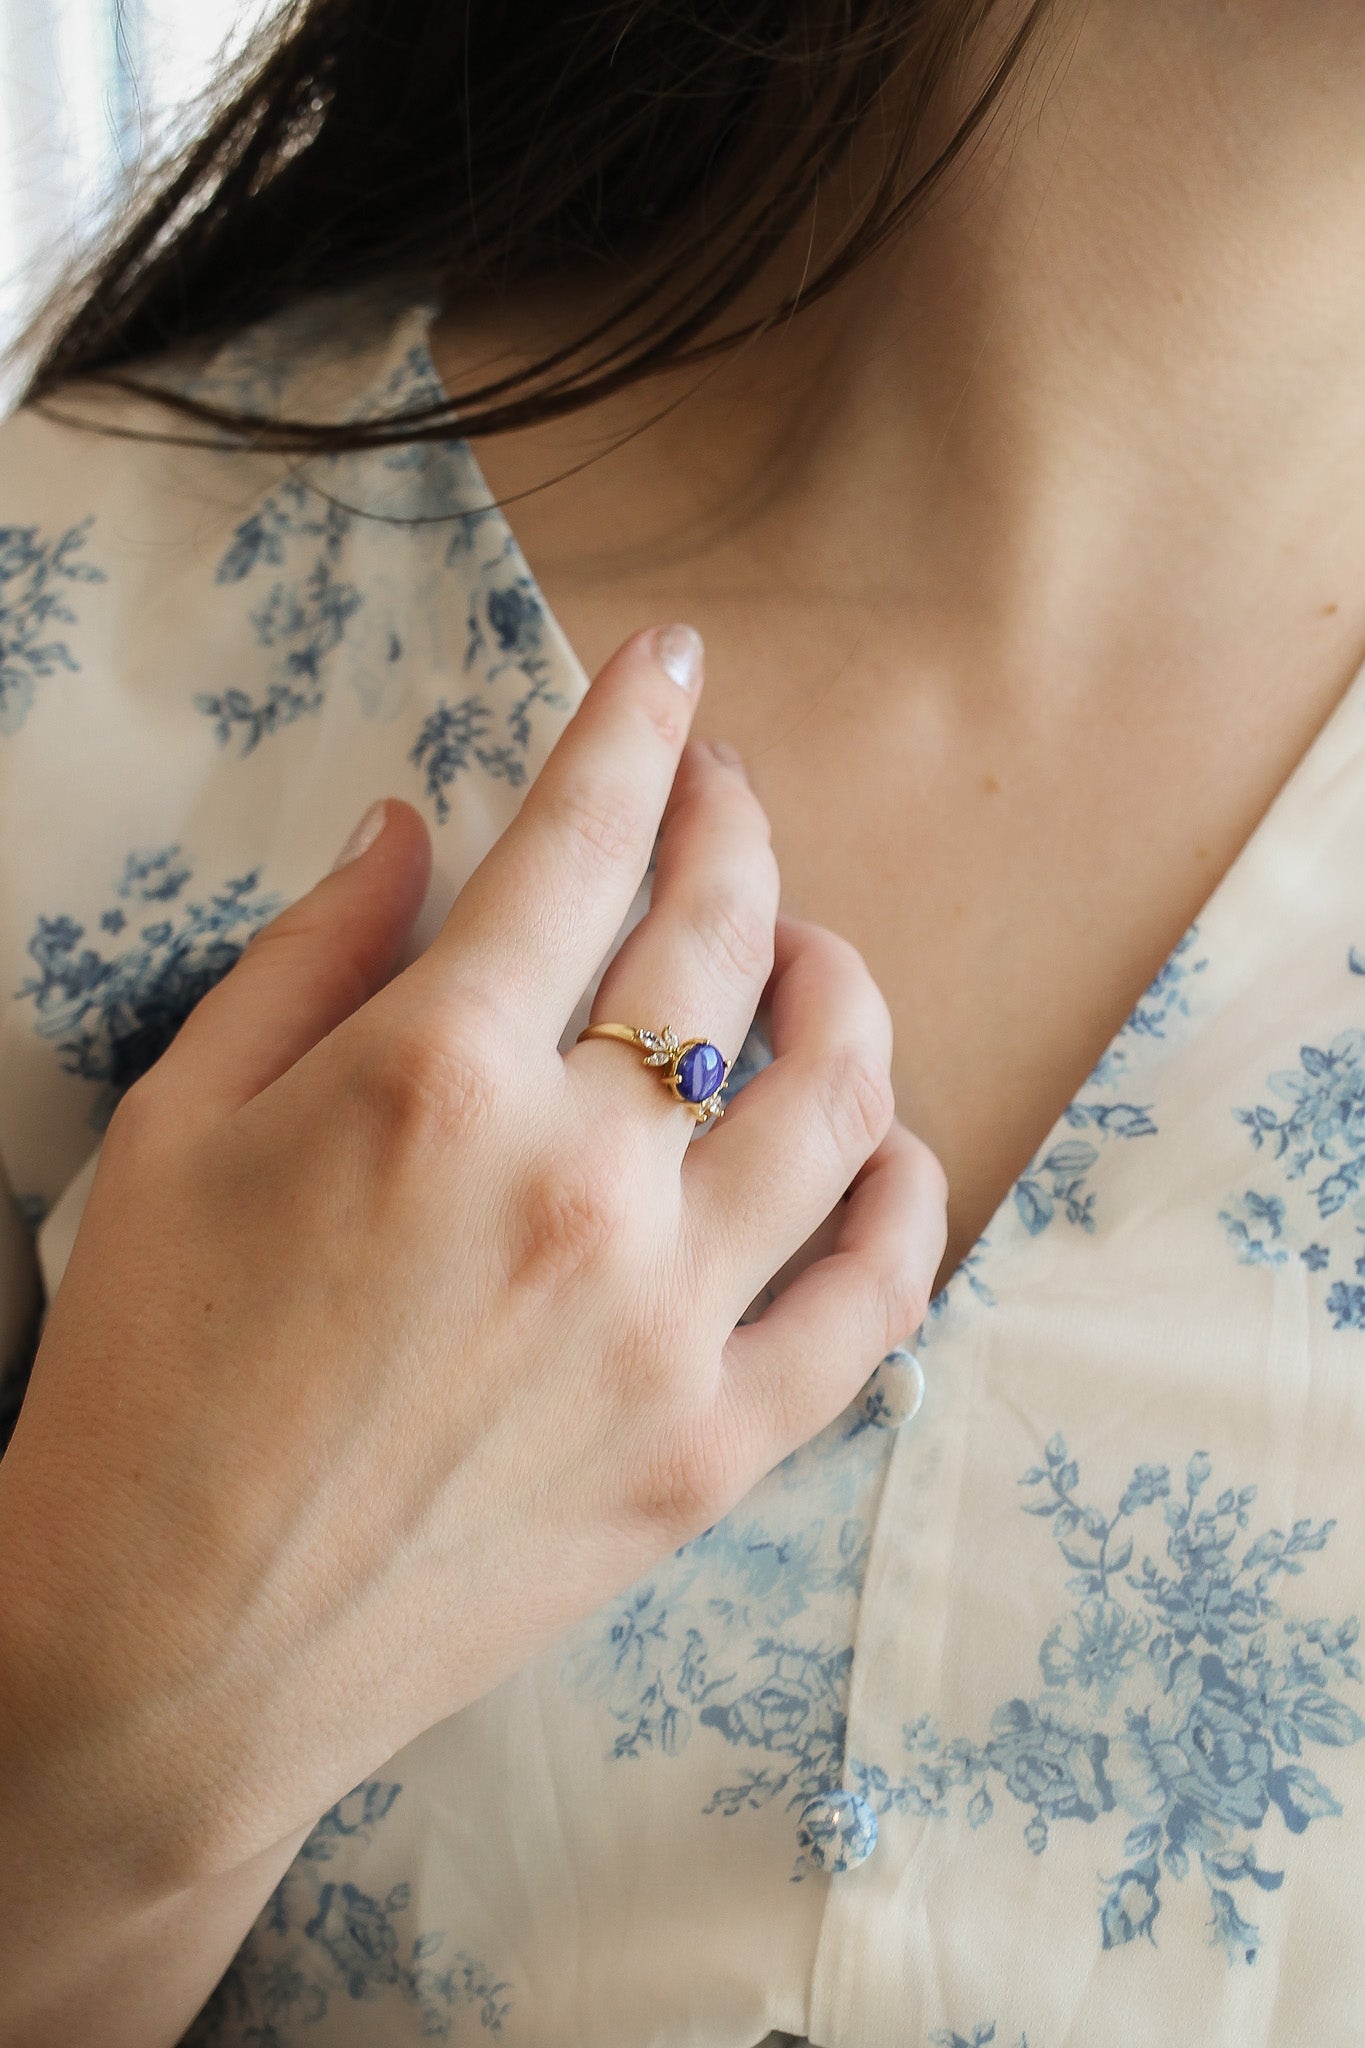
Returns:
(1030, 559)
(1119, 357)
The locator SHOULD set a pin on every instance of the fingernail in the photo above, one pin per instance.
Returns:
(729, 757)
(364, 836)
(678, 651)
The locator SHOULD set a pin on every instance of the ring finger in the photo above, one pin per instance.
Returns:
(699, 958)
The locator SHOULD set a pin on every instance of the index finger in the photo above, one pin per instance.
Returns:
(535, 919)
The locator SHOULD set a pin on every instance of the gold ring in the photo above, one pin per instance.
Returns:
(692, 1069)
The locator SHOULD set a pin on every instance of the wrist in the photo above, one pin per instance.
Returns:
(95, 1765)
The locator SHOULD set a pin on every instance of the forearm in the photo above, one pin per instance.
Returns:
(84, 1966)
(118, 1913)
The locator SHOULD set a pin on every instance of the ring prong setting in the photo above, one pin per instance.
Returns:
(692, 1069)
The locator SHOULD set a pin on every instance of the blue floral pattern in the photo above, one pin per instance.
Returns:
(1314, 1132)
(982, 2035)
(298, 539)
(319, 1941)
(111, 1009)
(969, 1274)
(836, 1831)
(504, 631)
(1056, 1183)
(1178, 1692)
(295, 547)
(1177, 1741)
(747, 1637)
(38, 578)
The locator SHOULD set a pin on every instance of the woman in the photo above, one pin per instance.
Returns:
(395, 1353)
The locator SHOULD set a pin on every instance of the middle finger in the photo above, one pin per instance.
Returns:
(700, 957)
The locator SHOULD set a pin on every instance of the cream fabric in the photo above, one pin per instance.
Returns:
(1076, 1641)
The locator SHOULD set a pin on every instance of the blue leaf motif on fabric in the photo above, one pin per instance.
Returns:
(1055, 1185)
(455, 737)
(37, 580)
(1178, 1693)
(320, 1939)
(1314, 1133)
(970, 1274)
(892, 1397)
(112, 1010)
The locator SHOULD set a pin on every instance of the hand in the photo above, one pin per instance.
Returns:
(393, 1342)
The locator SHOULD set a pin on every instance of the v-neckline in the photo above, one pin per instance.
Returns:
(988, 1244)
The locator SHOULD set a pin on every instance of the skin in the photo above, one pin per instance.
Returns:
(383, 1356)
(1029, 561)
(1028, 566)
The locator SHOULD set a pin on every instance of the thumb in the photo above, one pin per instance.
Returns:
(306, 971)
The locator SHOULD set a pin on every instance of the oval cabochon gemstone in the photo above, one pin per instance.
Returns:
(700, 1072)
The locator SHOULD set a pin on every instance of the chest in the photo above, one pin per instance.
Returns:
(1015, 868)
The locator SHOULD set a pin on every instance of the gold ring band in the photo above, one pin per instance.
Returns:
(692, 1069)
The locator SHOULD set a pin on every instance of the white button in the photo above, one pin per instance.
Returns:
(837, 1830)
(894, 1394)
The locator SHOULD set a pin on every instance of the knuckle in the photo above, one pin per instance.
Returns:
(684, 1484)
(570, 1214)
(662, 716)
(858, 1101)
(736, 936)
(137, 1117)
(601, 820)
(334, 970)
(425, 1083)
(288, 925)
(930, 1172)
(901, 1298)
(848, 967)
(842, 955)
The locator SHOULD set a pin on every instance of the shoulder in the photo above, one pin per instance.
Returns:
(337, 355)
(113, 505)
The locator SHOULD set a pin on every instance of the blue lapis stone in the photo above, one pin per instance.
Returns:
(700, 1072)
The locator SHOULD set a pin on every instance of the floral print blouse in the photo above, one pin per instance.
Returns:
(1028, 1712)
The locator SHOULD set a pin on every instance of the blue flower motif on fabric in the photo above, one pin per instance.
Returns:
(37, 580)
(1314, 1131)
(1056, 1183)
(746, 1635)
(504, 634)
(320, 1940)
(302, 616)
(294, 546)
(1178, 1692)
(112, 1009)
(981, 2036)
(945, 1307)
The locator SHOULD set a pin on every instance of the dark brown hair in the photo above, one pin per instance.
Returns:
(667, 145)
